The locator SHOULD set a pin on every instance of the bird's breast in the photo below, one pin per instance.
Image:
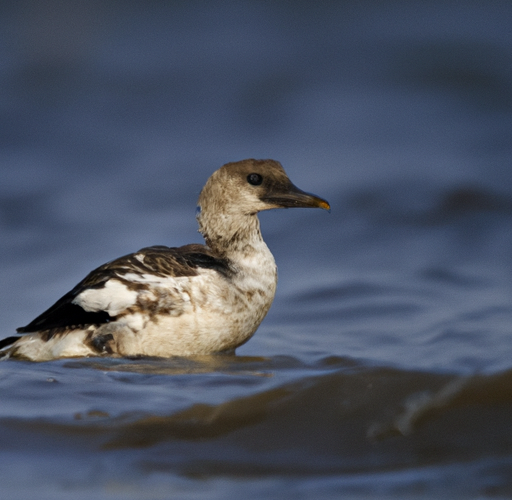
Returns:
(205, 313)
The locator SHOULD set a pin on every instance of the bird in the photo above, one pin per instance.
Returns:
(193, 300)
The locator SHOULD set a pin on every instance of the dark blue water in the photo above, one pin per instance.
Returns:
(384, 366)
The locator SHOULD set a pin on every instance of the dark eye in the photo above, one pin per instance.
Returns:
(254, 179)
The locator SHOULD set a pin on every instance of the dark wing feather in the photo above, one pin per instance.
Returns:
(170, 261)
(7, 342)
(158, 261)
(202, 257)
(66, 314)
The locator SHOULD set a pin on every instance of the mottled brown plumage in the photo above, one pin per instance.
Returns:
(163, 301)
(159, 261)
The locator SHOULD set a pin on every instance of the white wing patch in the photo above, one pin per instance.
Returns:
(151, 278)
(113, 298)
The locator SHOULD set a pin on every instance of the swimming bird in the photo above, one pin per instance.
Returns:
(177, 301)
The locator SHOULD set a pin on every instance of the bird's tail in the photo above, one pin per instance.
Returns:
(4, 344)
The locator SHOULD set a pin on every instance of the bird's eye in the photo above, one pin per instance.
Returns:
(254, 179)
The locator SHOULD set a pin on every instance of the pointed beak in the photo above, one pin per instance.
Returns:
(290, 196)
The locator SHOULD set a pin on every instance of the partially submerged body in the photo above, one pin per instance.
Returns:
(191, 300)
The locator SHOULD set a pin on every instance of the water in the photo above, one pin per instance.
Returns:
(383, 368)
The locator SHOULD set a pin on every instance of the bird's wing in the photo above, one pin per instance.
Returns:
(113, 287)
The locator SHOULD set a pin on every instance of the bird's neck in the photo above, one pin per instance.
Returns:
(232, 237)
(240, 242)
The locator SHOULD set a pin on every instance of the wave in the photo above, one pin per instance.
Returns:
(339, 418)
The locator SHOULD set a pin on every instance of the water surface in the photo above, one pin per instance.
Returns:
(383, 368)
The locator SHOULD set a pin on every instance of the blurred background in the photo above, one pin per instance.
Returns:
(112, 116)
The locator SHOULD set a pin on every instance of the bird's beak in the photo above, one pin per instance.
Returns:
(290, 196)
